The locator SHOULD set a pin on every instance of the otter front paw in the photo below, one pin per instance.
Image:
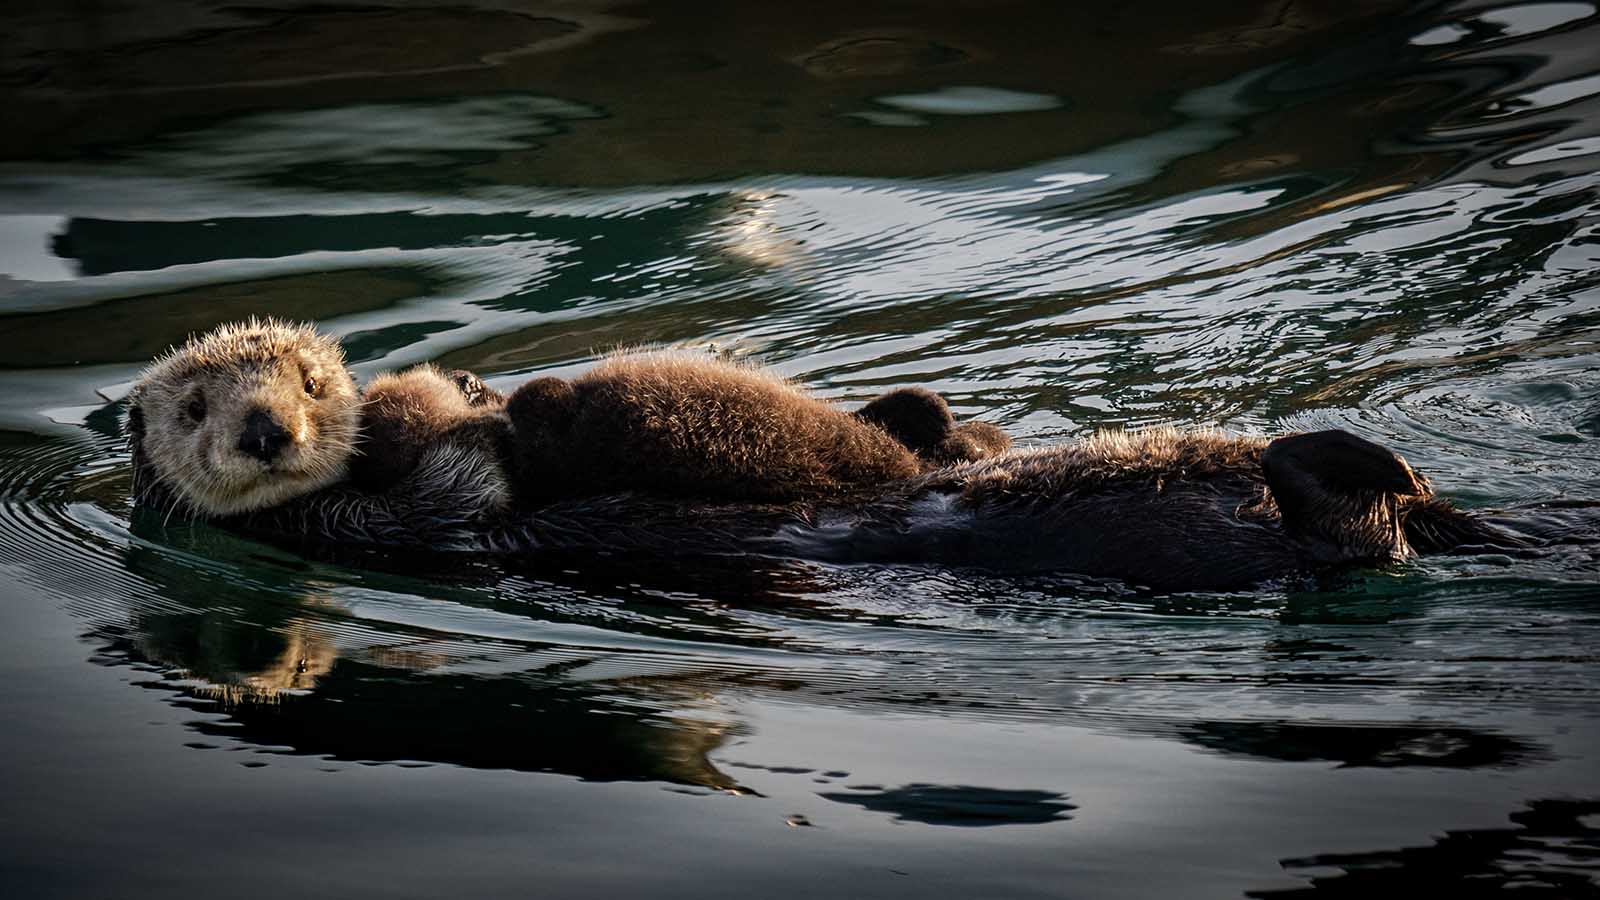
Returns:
(473, 389)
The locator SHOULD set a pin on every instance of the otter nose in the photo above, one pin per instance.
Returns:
(262, 437)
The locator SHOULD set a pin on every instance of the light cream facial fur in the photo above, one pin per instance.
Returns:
(195, 401)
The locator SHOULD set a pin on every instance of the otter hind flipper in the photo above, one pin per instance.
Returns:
(1339, 494)
(1333, 479)
(1338, 461)
(1302, 469)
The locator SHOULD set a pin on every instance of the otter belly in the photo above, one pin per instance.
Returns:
(1176, 527)
(1187, 537)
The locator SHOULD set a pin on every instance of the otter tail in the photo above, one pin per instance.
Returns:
(1531, 530)
(1434, 526)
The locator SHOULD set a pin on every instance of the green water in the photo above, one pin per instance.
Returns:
(1377, 217)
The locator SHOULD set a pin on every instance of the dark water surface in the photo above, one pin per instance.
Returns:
(1373, 216)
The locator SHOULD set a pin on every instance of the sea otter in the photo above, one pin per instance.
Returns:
(663, 424)
(257, 413)
(1164, 508)
(642, 405)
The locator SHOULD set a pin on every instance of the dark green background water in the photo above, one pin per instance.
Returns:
(1374, 216)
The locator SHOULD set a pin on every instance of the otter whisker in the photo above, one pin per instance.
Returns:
(171, 508)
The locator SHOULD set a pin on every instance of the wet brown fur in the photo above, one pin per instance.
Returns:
(406, 414)
(968, 442)
(1154, 457)
(686, 426)
(657, 423)
(1338, 497)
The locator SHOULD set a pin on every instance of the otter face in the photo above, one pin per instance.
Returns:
(246, 417)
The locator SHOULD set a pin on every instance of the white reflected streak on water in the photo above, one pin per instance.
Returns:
(25, 250)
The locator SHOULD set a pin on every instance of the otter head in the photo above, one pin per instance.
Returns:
(245, 417)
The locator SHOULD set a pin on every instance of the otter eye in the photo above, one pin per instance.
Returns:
(312, 386)
(197, 409)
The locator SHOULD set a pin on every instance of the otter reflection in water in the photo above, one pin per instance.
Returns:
(285, 673)
(260, 660)
(1549, 851)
